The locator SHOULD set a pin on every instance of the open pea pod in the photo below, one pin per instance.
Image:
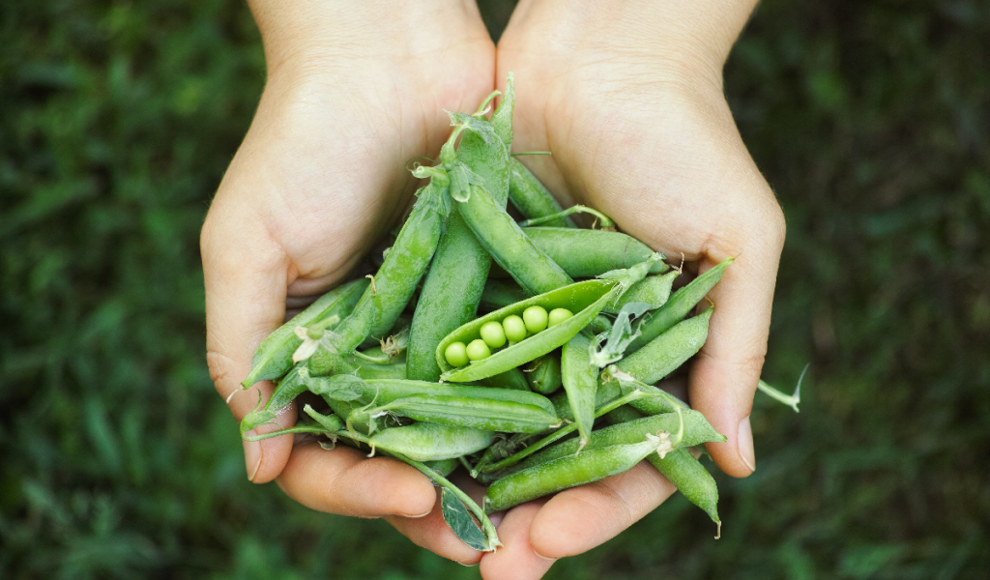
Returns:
(586, 299)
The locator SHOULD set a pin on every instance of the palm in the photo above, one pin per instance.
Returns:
(318, 180)
(660, 154)
(328, 169)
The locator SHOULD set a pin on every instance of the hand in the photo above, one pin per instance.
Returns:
(354, 91)
(628, 98)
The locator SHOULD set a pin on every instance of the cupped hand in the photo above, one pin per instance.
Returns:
(627, 97)
(354, 91)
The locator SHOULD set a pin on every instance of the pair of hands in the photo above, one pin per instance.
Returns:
(626, 95)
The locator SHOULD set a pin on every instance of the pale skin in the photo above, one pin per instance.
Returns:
(627, 96)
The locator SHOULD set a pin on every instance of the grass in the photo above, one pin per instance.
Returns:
(869, 119)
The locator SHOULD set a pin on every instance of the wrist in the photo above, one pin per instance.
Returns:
(676, 40)
(300, 36)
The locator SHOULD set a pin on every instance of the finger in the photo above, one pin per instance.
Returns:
(344, 481)
(516, 559)
(245, 278)
(433, 533)
(581, 518)
(724, 376)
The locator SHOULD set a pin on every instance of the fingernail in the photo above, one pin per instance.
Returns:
(252, 455)
(417, 516)
(496, 519)
(542, 557)
(744, 439)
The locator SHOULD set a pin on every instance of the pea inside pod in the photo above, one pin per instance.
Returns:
(585, 299)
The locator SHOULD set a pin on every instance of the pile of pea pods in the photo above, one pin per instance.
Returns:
(524, 352)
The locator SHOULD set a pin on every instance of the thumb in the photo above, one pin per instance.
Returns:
(723, 378)
(245, 277)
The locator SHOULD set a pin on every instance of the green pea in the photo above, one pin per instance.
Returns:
(558, 315)
(535, 317)
(493, 334)
(456, 354)
(515, 328)
(478, 350)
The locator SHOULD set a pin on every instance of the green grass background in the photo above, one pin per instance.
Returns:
(871, 120)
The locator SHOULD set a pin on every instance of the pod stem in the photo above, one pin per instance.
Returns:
(443, 482)
(605, 221)
(384, 360)
(303, 429)
(484, 107)
(789, 400)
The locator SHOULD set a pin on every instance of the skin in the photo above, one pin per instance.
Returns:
(628, 97)
(350, 98)
(626, 94)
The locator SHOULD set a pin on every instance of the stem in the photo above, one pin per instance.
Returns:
(486, 524)
(482, 108)
(606, 222)
(560, 433)
(381, 361)
(280, 432)
(315, 331)
(789, 400)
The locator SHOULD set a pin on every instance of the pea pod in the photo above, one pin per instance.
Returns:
(384, 300)
(443, 467)
(679, 305)
(511, 379)
(506, 242)
(324, 426)
(450, 296)
(274, 355)
(499, 293)
(697, 430)
(432, 442)
(586, 253)
(681, 468)
(544, 376)
(566, 472)
(668, 351)
(388, 390)
(558, 435)
(454, 283)
(580, 379)
(585, 299)
(652, 290)
(530, 197)
(606, 392)
(485, 414)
